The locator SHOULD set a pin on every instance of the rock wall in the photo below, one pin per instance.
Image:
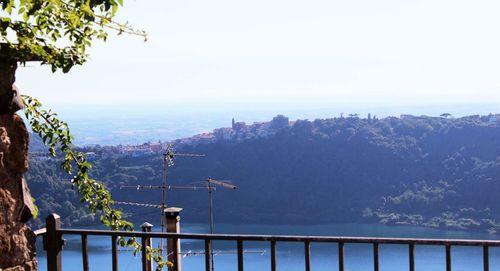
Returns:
(17, 241)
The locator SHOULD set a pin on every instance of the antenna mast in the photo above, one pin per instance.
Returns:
(168, 161)
(210, 187)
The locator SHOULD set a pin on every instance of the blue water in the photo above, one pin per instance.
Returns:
(290, 256)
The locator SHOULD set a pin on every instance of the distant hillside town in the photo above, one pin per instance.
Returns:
(237, 132)
(240, 131)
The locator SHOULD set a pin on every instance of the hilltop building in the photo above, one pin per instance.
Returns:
(223, 133)
(279, 122)
(237, 126)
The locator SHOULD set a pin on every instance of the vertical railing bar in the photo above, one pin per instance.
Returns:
(114, 253)
(307, 255)
(411, 256)
(486, 258)
(341, 256)
(207, 254)
(240, 255)
(375, 256)
(144, 259)
(273, 255)
(85, 254)
(175, 253)
(448, 257)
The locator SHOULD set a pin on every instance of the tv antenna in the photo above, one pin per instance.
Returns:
(211, 185)
(168, 161)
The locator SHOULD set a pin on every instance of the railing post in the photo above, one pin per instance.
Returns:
(114, 253)
(273, 255)
(85, 253)
(207, 254)
(52, 242)
(411, 256)
(486, 258)
(240, 254)
(307, 255)
(448, 257)
(146, 242)
(341, 256)
(173, 218)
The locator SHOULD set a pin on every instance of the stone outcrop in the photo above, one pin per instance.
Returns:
(17, 240)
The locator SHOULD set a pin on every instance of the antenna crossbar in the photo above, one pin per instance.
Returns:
(169, 187)
(189, 154)
(224, 184)
(220, 252)
(138, 204)
(139, 187)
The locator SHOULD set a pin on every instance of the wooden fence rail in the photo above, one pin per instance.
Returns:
(53, 244)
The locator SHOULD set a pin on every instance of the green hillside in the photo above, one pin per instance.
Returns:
(432, 171)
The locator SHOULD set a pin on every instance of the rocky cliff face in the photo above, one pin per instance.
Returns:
(17, 241)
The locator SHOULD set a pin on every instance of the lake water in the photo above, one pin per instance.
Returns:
(290, 256)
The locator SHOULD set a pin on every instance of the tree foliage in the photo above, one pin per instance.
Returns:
(57, 32)
(56, 135)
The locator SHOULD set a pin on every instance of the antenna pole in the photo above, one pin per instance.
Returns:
(210, 202)
(163, 189)
(163, 198)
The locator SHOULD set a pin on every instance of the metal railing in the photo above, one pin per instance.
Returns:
(53, 244)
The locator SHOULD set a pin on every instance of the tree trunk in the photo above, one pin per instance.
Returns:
(17, 240)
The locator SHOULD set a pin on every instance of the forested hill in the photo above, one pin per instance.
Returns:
(433, 171)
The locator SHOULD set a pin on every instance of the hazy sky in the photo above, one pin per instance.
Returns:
(269, 53)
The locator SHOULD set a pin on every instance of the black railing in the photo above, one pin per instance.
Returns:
(53, 244)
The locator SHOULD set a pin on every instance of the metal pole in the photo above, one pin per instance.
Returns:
(163, 189)
(210, 202)
(114, 253)
(211, 208)
(163, 199)
(85, 254)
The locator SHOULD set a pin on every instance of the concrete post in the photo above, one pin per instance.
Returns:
(147, 265)
(172, 217)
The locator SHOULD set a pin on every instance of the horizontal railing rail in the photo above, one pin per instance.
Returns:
(285, 238)
(55, 236)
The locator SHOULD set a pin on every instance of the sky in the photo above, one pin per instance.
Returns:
(267, 54)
